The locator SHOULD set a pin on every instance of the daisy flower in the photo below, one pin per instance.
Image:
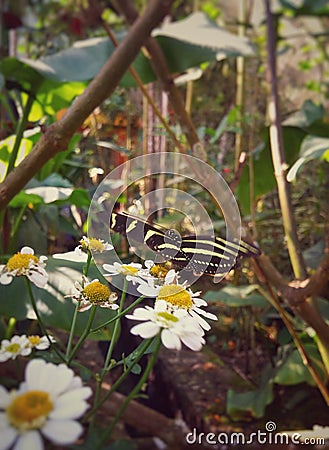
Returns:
(25, 263)
(176, 327)
(130, 271)
(93, 245)
(93, 293)
(39, 343)
(16, 346)
(178, 296)
(46, 404)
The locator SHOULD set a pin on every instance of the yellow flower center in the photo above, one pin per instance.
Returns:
(93, 244)
(29, 410)
(13, 348)
(21, 261)
(96, 292)
(128, 270)
(34, 340)
(159, 271)
(176, 295)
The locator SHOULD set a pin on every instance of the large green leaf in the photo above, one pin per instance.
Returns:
(264, 180)
(313, 147)
(54, 308)
(186, 44)
(293, 371)
(237, 296)
(310, 118)
(250, 404)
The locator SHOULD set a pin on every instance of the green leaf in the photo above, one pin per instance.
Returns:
(6, 148)
(264, 180)
(310, 118)
(307, 7)
(251, 404)
(313, 147)
(237, 296)
(54, 308)
(24, 199)
(293, 371)
(186, 43)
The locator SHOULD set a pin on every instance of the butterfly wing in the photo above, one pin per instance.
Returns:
(157, 238)
(215, 255)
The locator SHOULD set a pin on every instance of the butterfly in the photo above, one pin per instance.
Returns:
(212, 255)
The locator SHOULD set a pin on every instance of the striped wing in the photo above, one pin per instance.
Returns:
(215, 256)
(157, 238)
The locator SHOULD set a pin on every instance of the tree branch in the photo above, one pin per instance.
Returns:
(56, 137)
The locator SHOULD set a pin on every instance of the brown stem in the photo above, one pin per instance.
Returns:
(278, 157)
(298, 293)
(58, 135)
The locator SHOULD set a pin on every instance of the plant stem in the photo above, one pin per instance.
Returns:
(132, 394)
(40, 321)
(122, 377)
(306, 360)
(19, 134)
(278, 156)
(122, 313)
(115, 332)
(75, 314)
(84, 334)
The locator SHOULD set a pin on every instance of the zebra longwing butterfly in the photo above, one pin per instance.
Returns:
(203, 254)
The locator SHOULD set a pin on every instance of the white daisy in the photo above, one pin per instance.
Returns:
(16, 346)
(130, 271)
(93, 293)
(40, 343)
(46, 404)
(176, 327)
(93, 244)
(25, 263)
(178, 296)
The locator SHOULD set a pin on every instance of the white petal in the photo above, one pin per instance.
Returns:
(169, 278)
(149, 263)
(8, 433)
(71, 405)
(199, 301)
(205, 325)
(147, 290)
(109, 268)
(38, 277)
(4, 397)
(205, 313)
(6, 278)
(27, 251)
(145, 330)
(170, 340)
(48, 377)
(29, 440)
(62, 431)
(76, 255)
(193, 341)
(141, 314)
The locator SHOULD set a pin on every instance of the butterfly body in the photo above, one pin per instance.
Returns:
(211, 255)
